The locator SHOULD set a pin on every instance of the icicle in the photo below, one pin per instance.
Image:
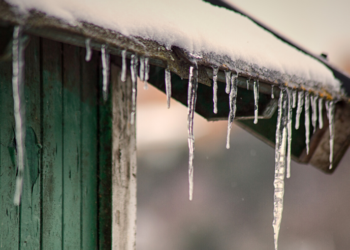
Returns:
(123, 77)
(280, 161)
(19, 108)
(294, 98)
(215, 89)
(272, 94)
(168, 86)
(320, 113)
(248, 84)
(105, 71)
(133, 68)
(142, 68)
(307, 121)
(299, 108)
(232, 114)
(291, 99)
(330, 115)
(191, 104)
(146, 72)
(256, 100)
(228, 79)
(88, 49)
(314, 112)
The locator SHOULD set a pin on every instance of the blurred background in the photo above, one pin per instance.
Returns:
(233, 189)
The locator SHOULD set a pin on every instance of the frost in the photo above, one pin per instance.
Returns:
(133, 69)
(215, 89)
(314, 112)
(299, 108)
(18, 107)
(320, 113)
(123, 77)
(228, 80)
(191, 104)
(256, 100)
(232, 114)
(88, 49)
(307, 121)
(168, 86)
(330, 115)
(105, 71)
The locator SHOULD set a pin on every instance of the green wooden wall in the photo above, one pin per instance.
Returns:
(66, 201)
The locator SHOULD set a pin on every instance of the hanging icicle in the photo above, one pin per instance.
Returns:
(248, 80)
(232, 114)
(289, 129)
(142, 68)
(123, 76)
(330, 114)
(294, 98)
(314, 112)
(133, 69)
(307, 121)
(88, 49)
(215, 89)
(280, 162)
(320, 113)
(272, 94)
(299, 108)
(228, 80)
(168, 86)
(105, 71)
(19, 108)
(146, 73)
(191, 104)
(256, 101)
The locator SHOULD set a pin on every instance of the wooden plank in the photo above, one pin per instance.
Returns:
(71, 148)
(30, 201)
(52, 145)
(9, 219)
(124, 165)
(89, 130)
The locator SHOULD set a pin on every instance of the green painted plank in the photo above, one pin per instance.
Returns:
(89, 196)
(30, 201)
(52, 145)
(9, 219)
(71, 148)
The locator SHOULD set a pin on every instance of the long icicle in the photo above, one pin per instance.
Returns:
(133, 69)
(291, 99)
(215, 89)
(280, 160)
(307, 121)
(105, 71)
(19, 108)
(146, 73)
(123, 76)
(88, 49)
(294, 98)
(142, 68)
(191, 104)
(256, 101)
(314, 112)
(320, 113)
(330, 113)
(299, 108)
(168, 86)
(228, 80)
(232, 113)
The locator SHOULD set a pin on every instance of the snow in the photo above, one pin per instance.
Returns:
(159, 20)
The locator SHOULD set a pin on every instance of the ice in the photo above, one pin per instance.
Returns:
(133, 69)
(294, 98)
(330, 115)
(320, 113)
(215, 89)
(272, 94)
(191, 104)
(168, 86)
(88, 49)
(146, 72)
(18, 107)
(228, 80)
(291, 99)
(256, 100)
(314, 112)
(142, 68)
(280, 161)
(307, 121)
(232, 114)
(248, 84)
(105, 71)
(299, 108)
(123, 76)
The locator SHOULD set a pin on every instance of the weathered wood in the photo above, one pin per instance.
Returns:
(124, 165)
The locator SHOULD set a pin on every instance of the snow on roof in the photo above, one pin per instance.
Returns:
(197, 27)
